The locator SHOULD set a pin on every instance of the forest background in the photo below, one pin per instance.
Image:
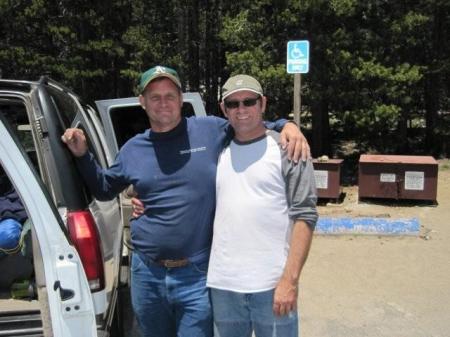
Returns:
(379, 70)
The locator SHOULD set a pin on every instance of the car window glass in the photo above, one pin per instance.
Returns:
(131, 120)
(15, 112)
(69, 113)
(65, 105)
(187, 110)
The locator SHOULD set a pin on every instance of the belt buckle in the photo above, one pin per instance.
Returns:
(174, 263)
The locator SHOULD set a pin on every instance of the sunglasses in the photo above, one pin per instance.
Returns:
(247, 102)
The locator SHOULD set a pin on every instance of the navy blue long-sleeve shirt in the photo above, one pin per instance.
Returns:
(174, 174)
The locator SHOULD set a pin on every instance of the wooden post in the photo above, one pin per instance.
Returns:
(297, 98)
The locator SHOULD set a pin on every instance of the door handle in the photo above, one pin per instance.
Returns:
(65, 294)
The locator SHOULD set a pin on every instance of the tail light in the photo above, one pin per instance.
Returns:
(85, 237)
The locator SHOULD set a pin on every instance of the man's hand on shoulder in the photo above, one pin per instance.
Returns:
(293, 140)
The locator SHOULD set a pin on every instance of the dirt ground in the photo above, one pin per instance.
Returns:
(380, 286)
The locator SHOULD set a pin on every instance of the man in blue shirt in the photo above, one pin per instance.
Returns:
(172, 167)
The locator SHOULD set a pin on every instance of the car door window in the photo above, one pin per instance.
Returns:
(65, 105)
(187, 110)
(14, 111)
(71, 114)
(128, 121)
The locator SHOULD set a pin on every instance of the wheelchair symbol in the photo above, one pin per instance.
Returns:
(296, 53)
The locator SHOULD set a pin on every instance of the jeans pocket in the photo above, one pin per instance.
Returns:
(136, 263)
(201, 267)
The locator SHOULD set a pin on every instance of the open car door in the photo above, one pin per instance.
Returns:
(68, 300)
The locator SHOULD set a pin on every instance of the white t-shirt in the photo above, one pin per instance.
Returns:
(252, 226)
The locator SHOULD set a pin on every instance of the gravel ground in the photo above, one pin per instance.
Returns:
(380, 286)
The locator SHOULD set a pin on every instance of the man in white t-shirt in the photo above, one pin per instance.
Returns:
(264, 222)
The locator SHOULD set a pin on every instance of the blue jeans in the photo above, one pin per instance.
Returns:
(238, 314)
(171, 301)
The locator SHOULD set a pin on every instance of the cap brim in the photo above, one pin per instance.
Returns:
(241, 89)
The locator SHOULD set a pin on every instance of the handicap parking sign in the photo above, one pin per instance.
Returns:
(298, 57)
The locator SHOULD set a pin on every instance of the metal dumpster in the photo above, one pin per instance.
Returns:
(398, 177)
(328, 178)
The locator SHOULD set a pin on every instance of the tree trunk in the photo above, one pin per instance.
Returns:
(194, 46)
(212, 55)
(431, 109)
(320, 129)
(402, 133)
(433, 82)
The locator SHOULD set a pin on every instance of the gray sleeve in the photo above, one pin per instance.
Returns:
(301, 191)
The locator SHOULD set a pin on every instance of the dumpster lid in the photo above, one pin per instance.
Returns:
(329, 161)
(381, 158)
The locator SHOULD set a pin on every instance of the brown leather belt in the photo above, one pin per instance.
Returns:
(173, 263)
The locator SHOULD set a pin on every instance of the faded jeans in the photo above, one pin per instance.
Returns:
(239, 314)
(171, 302)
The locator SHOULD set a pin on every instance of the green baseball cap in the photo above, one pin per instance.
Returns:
(158, 71)
(240, 83)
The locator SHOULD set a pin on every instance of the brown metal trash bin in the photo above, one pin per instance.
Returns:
(398, 177)
(328, 178)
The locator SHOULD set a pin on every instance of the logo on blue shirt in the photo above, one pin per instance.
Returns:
(197, 149)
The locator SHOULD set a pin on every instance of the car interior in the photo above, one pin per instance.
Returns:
(16, 259)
